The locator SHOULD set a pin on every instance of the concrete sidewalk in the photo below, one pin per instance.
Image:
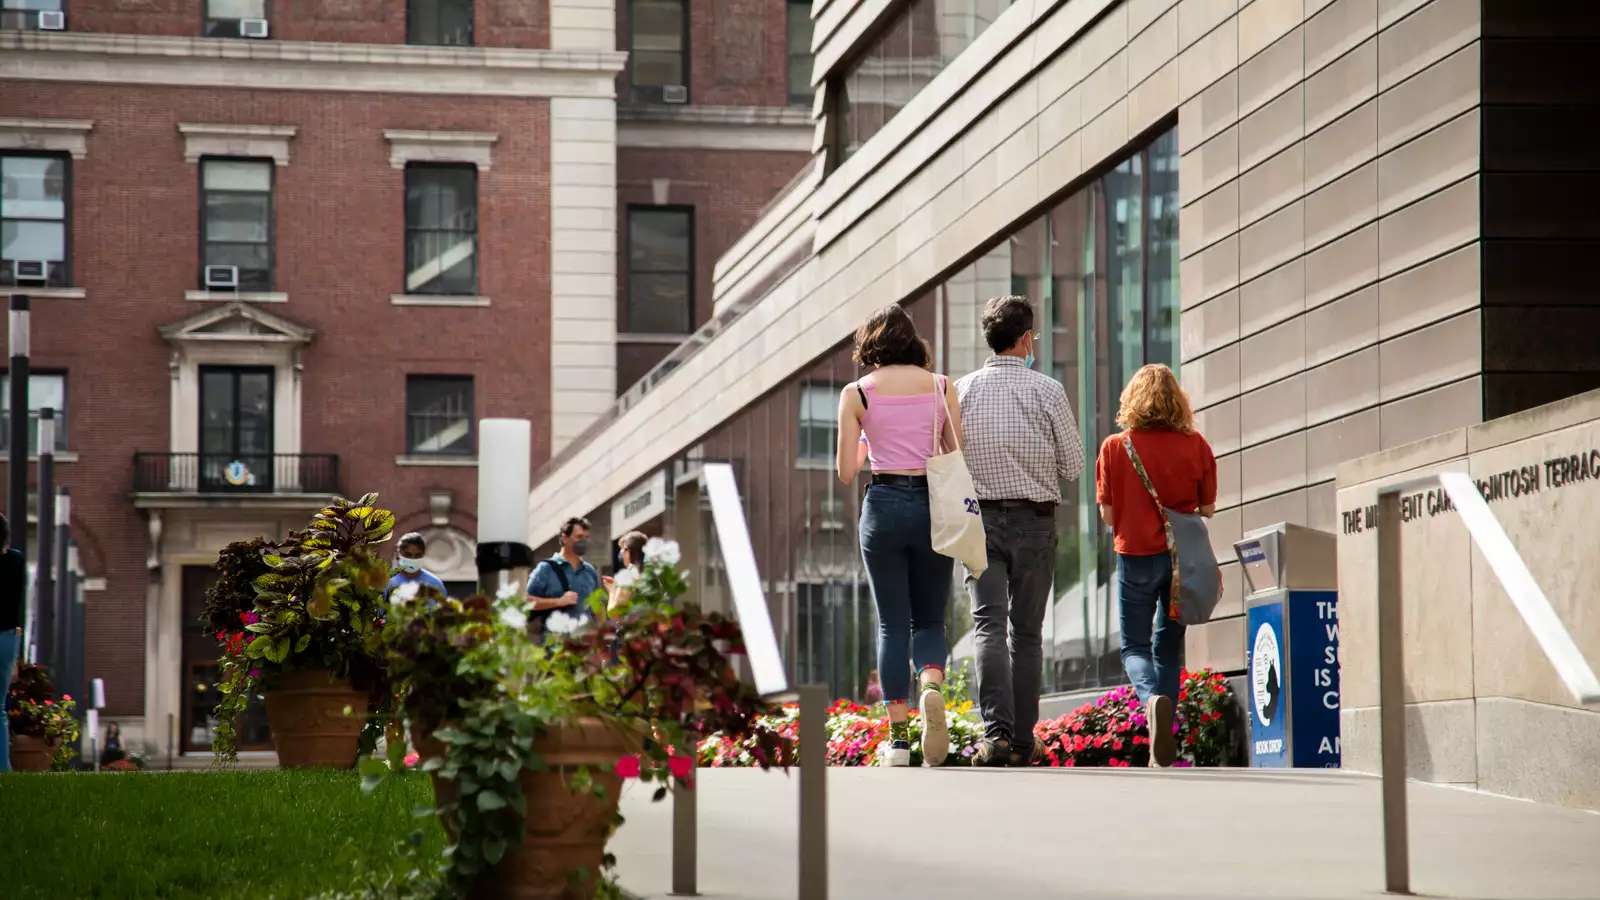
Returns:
(1220, 833)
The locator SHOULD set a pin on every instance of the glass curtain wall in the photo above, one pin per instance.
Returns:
(913, 47)
(1100, 266)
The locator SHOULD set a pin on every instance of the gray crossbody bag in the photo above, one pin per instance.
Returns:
(1196, 583)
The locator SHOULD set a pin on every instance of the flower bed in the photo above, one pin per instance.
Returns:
(1111, 731)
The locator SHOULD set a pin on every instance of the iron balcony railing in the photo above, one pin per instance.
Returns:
(235, 473)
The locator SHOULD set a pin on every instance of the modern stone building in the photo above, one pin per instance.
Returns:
(294, 248)
(1350, 224)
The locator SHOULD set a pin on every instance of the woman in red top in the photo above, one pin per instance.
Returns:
(1155, 414)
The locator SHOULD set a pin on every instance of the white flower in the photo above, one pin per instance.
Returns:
(662, 551)
(626, 577)
(512, 617)
(508, 591)
(561, 623)
(405, 593)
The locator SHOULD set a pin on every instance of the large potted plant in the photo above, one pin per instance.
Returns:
(44, 732)
(300, 620)
(529, 743)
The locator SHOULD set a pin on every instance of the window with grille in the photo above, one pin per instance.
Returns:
(226, 18)
(236, 219)
(443, 23)
(660, 270)
(658, 57)
(441, 229)
(799, 44)
(44, 390)
(23, 15)
(34, 226)
(439, 416)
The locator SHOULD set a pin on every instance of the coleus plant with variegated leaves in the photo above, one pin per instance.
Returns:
(312, 601)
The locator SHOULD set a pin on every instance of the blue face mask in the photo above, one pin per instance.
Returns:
(1030, 358)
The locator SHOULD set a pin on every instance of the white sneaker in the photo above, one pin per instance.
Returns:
(894, 753)
(935, 730)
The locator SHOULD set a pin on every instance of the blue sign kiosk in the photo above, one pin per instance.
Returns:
(1291, 646)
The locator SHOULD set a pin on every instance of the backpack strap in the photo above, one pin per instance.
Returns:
(561, 575)
(1166, 523)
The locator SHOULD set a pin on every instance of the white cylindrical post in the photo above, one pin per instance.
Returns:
(505, 462)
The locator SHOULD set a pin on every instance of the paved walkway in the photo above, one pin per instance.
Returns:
(1111, 833)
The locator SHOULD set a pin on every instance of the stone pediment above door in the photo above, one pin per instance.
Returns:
(237, 323)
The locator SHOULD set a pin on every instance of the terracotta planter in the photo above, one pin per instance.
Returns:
(30, 754)
(565, 832)
(309, 727)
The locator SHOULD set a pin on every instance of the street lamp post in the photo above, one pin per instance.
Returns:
(49, 627)
(505, 453)
(17, 499)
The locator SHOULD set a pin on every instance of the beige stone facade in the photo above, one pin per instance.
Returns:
(1484, 705)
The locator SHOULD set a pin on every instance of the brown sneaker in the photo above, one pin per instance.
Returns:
(1022, 757)
(1163, 746)
(992, 754)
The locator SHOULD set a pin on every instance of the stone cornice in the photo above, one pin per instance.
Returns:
(303, 65)
(58, 135)
(785, 129)
(267, 141)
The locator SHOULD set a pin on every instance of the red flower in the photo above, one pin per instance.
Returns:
(628, 766)
(680, 766)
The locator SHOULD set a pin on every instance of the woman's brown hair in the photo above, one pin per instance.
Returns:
(890, 338)
(633, 543)
(1154, 400)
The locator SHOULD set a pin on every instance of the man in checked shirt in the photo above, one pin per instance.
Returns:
(1021, 443)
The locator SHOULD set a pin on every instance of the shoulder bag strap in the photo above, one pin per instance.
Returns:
(863, 394)
(1166, 523)
(939, 388)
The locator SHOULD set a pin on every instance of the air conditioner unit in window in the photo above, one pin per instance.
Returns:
(52, 20)
(225, 278)
(30, 271)
(253, 28)
(674, 93)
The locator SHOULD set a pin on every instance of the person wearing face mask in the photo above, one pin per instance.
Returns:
(408, 566)
(631, 548)
(1022, 443)
(564, 581)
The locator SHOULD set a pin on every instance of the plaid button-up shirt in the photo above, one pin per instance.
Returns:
(1021, 438)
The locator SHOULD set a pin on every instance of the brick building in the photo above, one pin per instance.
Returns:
(299, 248)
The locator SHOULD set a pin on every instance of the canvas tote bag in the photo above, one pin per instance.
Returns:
(957, 523)
(1196, 583)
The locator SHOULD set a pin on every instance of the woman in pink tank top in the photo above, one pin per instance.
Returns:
(894, 418)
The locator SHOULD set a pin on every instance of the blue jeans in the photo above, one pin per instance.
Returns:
(9, 646)
(1145, 582)
(910, 584)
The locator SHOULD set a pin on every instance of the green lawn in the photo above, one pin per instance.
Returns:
(202, 834)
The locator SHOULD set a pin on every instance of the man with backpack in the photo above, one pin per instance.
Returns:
(563, 582)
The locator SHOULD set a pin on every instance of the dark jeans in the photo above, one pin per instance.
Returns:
(10, 647)
(1009, 603)
(1145, 582)
(910, 584)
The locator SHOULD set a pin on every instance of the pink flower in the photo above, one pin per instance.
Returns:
(66, 696)
(49, 702)
(628, 766)
(249, 618)
(412, 759)
(255, 673)
(680, 766)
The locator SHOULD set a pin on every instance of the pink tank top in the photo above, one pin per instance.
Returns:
(899, 428)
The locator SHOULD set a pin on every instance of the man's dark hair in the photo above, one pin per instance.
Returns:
(890, 338)
(1005, 321)
(414, 539)
(5, 532)
(574, 522)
